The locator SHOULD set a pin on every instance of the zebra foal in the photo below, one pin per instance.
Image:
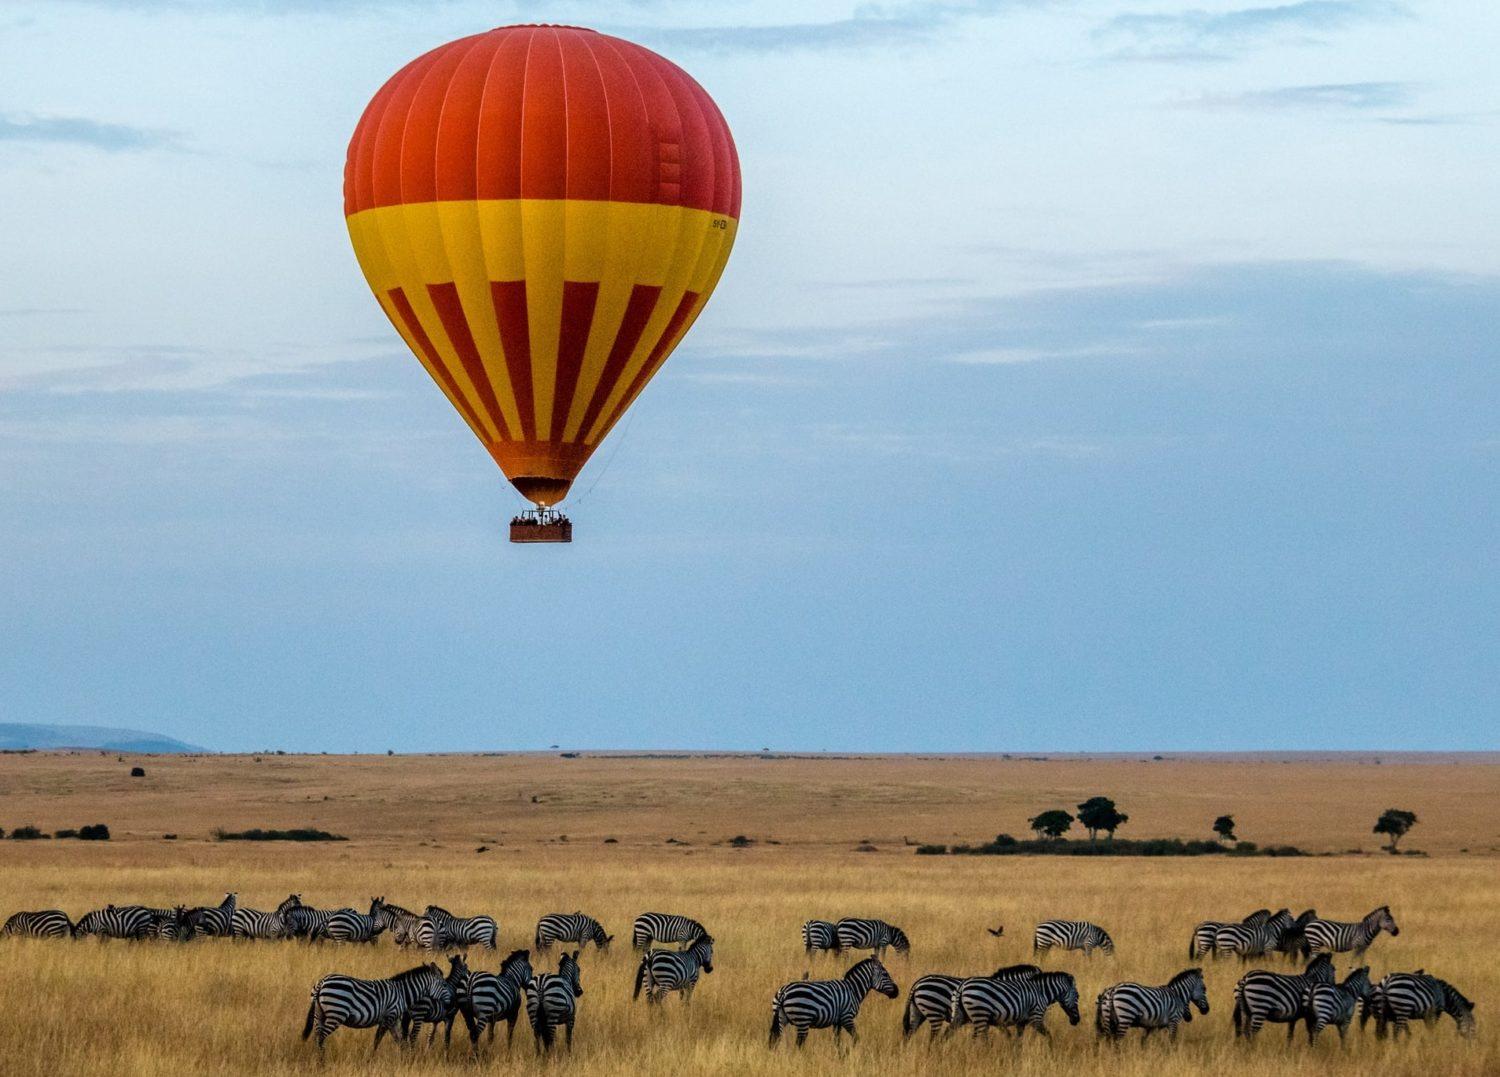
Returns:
(662, 971)
(1131, 1005)
(1326, 1004)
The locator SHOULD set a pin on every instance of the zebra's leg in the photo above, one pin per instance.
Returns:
(848, 1026)
(573, 1016)
(801, 1035)
(1146, 1031)
(687, 994)
(1291, 1029)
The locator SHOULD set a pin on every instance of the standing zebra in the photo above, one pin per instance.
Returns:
(1403, 997)
(930, 999)
(488, 999)
(652, 927)
(115, 922)
(1252, 940)
(42, 924)
(438, 1006)
(570, 927)
(1131, 1005)
(306, 922)
(170, 925)
(439, 929)
(1071, 935)
(250, 923)
(552, 1000)
(662, 971)
(819, 935)
(808, 1004)
(401, 923)
(1263, 996)
(345, 1001)
(1293, 942)
(214, 922)
(1337, 937)
(1018, 1002)
(1333, 1004)
(857, 934)
(1202, 943)
(347, 925)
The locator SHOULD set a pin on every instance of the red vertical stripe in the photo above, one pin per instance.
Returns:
(638, 310)
(509, 297)
(544, 120)
(434, 360)
(577, 319)
(451, 310)
(669, 336)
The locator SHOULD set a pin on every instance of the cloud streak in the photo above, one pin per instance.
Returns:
(81, 131)
(870, 26)
(1332, 96)
(1199, 35)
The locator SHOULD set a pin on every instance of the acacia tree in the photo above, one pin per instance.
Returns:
(1224, 828)
(1051, 824)
(1098, 813)
(1395, 823)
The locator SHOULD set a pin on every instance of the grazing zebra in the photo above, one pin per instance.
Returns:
(1333, 1004)
(438, 1006)
(652, 927)
(401, 923)
(570, 927)
(1071, 935)
(170, 925)
(216, 922)
(1018, 1002)
(1131, 1005)
(1263, 996)
(808, 1004)
(1293, 942)
(42, 924)
(820, 935)
(115, 922)
(347, 925)
(930, 999)
(250, 923)
(1337, 937)
(487, 999)
(856, 934)
(439, 929)
(1252, 940)
(305, 921)
(1403, 997)
(674, 970)
(552, 1000)
(345, 1001)
(1202, 944)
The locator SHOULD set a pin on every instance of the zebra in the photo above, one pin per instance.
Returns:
(662, 971)
(552, 1000)
(346, 1001)
(438, 1005)
(115, 922)
(570, 927)
(652, 927)
(401, 923)
(41, 924)
(214, 922)
(1325, 1004)
(347, 925)
(809, 1004)
(1020, 1001)
(170, 925)
(305, 922)
(488, 998)
(1403, 997)
(1293, 942)
(1337, 937)
(439, 929)
(856, 934)
(250, 923)
(819, 935)
(1263, 996)
(1202, 943)
(1252, 940)
(930, 998)
(1131, 1005)
(1071, 935)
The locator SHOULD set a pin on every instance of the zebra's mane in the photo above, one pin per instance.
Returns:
(438, 909)
(1452, 996)
(1304, 917)
(396, 910)
(1184, 976)
(420, 972)
(512, 958)
(862, 967)
(1016, 970)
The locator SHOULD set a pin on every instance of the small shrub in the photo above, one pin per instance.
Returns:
(137, 772)
(66, 834)
(611, 841)
(931, 850)
(299, 834)
(97, 832)
(865, 847)
(739, 841)
(169, 837)
(26, 833)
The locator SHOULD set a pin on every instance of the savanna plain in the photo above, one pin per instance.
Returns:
(617, 835)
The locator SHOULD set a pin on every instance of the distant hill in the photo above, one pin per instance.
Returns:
(13, 736)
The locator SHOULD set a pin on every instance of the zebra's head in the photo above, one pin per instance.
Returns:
(703, 949)
(1256, 918)
(871, 975)
(899, 942)
(1358, 982)
(292, 901)
(1015, 972)
(1382, 920)
(1189, 986)
(516, 966)
(1280, 920)
(567, 968)
(1319, 970)
(1061, 988)
(598, 937)
(1106, 944)
(458, 971)
(1458, 1007)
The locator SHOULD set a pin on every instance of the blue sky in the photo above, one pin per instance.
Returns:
(1106, 375)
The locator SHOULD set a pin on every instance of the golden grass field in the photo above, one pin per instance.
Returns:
(415, 824)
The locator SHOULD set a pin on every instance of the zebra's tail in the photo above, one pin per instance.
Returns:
(640, 976)
(1101, 1024)
(956, 1015)
(1239, 1014)
(312, 1010)
(908, 1024)
(778, 1018)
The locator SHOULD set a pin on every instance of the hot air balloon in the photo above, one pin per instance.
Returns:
(542, 212)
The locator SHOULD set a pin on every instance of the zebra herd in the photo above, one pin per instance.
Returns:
(1015, 998)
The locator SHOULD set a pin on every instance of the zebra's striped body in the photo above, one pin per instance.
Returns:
(930, 999)
(1252, 940)
(348, 1002)
(214, 922)
(401, 923)
(1293, 942)
(1404, 997)
(819, 936)
(116, 922)
(809, 1004)
(170, 925)
(1131, 1005)
(41, 924)
(854, 933)
(1071, 935)
(1333, 1004)
(347, 925)
(1338, 937)
(438, 1004)
(650, 927)
(1276, 997)
(1018, 1001)
(255, 924)
(662, 971)
(307, 922)
(488, 998)
(552, 1000)
(439, 929)
(1202, 943)
(570, 927)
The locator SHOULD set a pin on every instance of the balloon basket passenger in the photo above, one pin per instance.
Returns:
(541, 525)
